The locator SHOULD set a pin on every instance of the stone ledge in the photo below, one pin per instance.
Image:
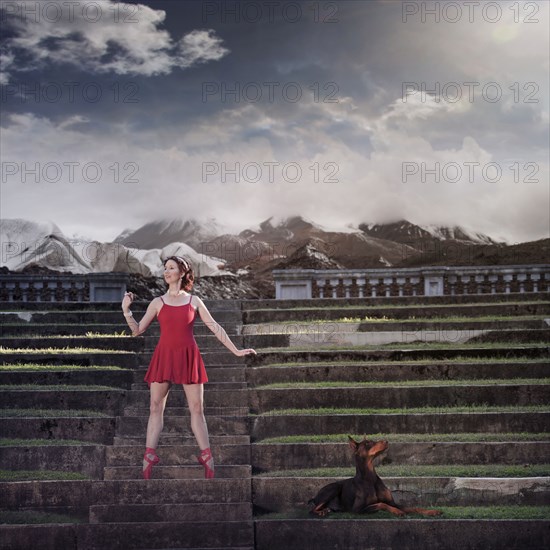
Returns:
(285, 494)
(402, 534)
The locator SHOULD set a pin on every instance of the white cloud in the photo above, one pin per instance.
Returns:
(368, 187)
(130, 44)
(200, 46)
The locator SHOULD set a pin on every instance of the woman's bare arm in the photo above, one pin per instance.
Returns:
(140, 327)
(218, 330)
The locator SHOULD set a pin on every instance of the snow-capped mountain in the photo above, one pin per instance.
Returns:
(275, 243)
(26, 243)
(404, 231)
(160, 233)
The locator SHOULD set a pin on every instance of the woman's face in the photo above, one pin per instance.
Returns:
(171, 271)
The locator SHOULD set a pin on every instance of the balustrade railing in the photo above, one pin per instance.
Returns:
(93, 287)
(424, 281)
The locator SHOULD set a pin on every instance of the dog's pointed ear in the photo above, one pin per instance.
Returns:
(352, 443)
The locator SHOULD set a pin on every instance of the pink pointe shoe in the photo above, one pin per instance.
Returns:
(151, 461)
(206, 455)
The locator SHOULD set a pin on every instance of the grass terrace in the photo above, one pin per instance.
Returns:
(39, 367)
(403, 383)
(414, 410)
(41, 475)
(411, 437)
(449, 512)
(429, 470)
(51, 413)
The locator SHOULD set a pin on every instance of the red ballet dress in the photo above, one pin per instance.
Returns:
(176, 357)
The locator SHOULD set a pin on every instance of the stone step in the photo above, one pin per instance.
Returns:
(204, 341)
(333, 312)
(377, 301)
(223, 357)
(69, 329)
(123, 343)
(212, 385)
(179, 455)
(290, 456)
(410, 326)
(217, 425)
(92, 429)
(267, 357)
(514, 335)
(126, 343)
(215, 410)
(88, 376)
(196, 535)
(396, 397)
(412, 534)
(177, 472)
(214, 395)
(275, 494)
(216, 373)
(442, 422)
(106, 401)
(88, 459)
(53, 496)
(91, 358)
(404, 337)
(177, 513)
(395, 371)
(51, 316)
(177, 439)
(137, 305)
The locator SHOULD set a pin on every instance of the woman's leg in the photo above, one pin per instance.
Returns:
(159, 395)
(195, 400)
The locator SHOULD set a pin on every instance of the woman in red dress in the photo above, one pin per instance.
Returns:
(177, 359)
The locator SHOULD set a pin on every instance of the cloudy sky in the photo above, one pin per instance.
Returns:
(115, 114)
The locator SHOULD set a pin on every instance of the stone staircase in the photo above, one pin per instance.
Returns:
(458, 385)
(114, 507)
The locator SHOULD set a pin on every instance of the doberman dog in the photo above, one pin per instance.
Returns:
(365, 492)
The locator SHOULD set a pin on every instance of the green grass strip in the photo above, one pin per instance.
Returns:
(421, 320)
(55, 387)
(40, 475)
(412, 410)
(449, 512)
(326, 304)
(423, 361)
(426, 470)
(16, 367)
(75, 350)
(73, 336)
(409, 438)
(33, 518)
(50, 413)
(403, 346)
(404, 383)
(6, 442)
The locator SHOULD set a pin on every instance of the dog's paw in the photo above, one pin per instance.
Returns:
(434, 513)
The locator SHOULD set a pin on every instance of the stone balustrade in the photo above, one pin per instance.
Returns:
(423, 281)
(92, 287)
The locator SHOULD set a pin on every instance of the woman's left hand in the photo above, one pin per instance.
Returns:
(242, 352)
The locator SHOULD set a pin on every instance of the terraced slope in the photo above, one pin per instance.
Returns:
(460, 389)
(458, 386)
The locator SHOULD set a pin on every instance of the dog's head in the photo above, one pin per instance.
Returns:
(367, 448)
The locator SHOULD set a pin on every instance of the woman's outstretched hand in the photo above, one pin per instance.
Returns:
(247, 351)
(127, 300)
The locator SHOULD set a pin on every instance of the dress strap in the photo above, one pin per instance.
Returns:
(162, 300)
